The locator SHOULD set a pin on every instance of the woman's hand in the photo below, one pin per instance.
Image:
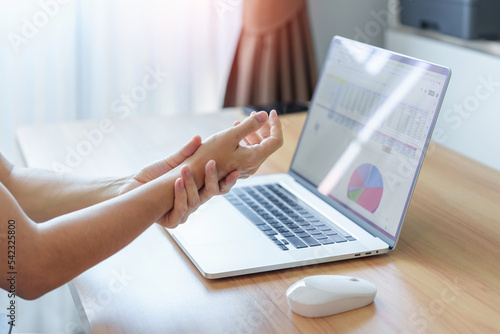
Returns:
(238, 151)
(187, 196)
(244, 147)
(260, 144)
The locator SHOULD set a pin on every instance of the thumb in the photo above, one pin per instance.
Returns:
(177, 158)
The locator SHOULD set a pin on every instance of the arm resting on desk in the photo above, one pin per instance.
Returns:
(47, 255)
(52, 253)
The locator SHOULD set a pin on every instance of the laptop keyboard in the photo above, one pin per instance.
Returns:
(285, 219)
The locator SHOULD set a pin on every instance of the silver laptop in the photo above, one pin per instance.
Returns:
(351, 178)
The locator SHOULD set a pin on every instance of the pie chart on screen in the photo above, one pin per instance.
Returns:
(366, 187)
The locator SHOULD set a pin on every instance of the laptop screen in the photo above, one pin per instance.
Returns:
(367, 130)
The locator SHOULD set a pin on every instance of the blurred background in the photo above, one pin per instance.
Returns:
(64, 60)
(67, 60)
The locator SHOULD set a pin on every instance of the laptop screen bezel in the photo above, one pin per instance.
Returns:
(337, 205)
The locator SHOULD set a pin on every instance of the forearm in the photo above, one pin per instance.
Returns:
(44, 195)
(60, 249)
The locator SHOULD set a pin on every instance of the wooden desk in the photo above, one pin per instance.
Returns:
(442, 277)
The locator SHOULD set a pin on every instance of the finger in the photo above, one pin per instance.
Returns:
(211, 187)
(228, 182)
(245, 141)
(275, 124)
(174, 216)
(177, 158)
(163, 166)
(275, 140)
(193, 199)
(265, 130)
(254, 137)
(250, 125)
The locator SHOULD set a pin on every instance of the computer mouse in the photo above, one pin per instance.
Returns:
(323, 295)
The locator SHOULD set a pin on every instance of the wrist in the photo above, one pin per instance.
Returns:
(197, 169)
(117, 187)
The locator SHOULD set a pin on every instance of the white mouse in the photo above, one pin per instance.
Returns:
(323, 295)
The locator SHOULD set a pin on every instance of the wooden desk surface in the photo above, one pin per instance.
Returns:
(443, 276)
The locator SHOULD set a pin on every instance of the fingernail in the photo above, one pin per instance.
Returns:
(261, 116)
(187, 172)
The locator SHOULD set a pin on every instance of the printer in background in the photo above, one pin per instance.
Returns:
(468, 19)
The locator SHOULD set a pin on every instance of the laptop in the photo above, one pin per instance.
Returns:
(351, 178)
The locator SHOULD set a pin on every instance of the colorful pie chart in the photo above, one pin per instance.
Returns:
(366, 187)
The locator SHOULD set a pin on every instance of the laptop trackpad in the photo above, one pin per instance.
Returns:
(215, 222)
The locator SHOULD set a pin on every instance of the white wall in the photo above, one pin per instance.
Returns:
(470, 115)
(81, 59)
(469, 120)
(361, 20)
(91, 52)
